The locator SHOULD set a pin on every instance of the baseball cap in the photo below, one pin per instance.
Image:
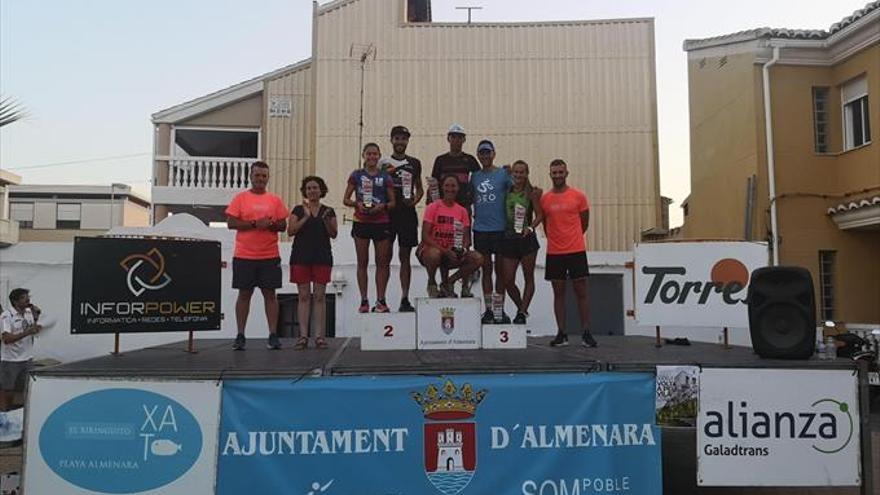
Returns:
(485, 145)
(456, 129)
(399, 129)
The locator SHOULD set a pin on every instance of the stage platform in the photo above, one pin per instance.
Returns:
(215, 359)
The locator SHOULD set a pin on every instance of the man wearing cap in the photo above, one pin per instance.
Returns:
(461, 165)
(490, 185)
(406, 173)
(458, 163)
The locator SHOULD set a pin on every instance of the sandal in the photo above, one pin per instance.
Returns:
(301, 343)
(321, 343)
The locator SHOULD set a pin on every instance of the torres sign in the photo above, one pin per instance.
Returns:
(695, 283)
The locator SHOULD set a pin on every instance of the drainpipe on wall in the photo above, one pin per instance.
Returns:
(771, 164)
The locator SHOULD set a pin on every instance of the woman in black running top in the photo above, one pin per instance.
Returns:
(312, 225)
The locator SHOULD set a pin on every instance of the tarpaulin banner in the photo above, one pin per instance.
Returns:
(461, 434)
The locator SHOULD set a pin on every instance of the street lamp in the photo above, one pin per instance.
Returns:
(113, 188)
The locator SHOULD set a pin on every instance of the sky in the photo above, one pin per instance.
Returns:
(91, 72)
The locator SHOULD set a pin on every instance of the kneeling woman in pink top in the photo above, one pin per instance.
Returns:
(446, 240)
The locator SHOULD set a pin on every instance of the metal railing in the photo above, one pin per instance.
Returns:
(210, 172)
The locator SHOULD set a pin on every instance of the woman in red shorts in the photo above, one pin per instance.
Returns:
(312, 225)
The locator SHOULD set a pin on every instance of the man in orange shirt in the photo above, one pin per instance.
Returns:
(257, 216)
(566, 218)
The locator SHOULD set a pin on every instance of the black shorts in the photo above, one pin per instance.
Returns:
(518, 246)
(248, 274)
(371, 231)
(567, 266)
(405, 227)
(486, 243)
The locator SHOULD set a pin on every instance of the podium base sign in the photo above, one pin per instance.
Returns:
(504, 336)
(388, 331)
(448, 323)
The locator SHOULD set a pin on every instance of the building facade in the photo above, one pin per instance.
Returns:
(62, 212)
(583, 91)
(8, 227)
(809, 182)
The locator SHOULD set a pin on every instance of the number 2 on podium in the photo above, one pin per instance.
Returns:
(389, 331)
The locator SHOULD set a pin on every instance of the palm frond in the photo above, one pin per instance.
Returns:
(11, 111)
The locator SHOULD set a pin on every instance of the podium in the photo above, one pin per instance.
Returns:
(505, 336)
(448, 323)
(388, 331)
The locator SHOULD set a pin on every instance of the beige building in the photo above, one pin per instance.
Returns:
(8, 227)
(579, 90)
(62, 212)
(812, 176)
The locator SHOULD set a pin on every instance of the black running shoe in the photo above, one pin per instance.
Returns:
(561, 340)
(239, 343)
(488, 317)
(405, 306)
(519, 319)
(274, 342)
(587, 340)
(505, 320)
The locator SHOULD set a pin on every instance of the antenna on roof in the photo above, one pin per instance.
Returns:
(469, 9)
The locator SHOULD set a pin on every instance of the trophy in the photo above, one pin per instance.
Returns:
(367, 191)
(406, 184)
(458, 236)
(519, 218)
(433, 189)
(497, 306)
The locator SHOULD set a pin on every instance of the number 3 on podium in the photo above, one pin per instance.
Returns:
(504, 337)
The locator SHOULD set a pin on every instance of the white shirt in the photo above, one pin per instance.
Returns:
(13, 322)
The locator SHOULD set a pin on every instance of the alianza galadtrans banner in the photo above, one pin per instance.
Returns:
(87, 436)
(771, 427)
(144, 285)
(535, 434)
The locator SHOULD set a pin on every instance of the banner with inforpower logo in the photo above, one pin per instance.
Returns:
(760, 427)
(701, 284)
(463, 434)
(144, 285)
(121, 436)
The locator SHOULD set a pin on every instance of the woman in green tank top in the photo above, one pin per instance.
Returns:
(520, 245)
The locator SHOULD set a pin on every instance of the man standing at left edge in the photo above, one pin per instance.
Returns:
(257, 216)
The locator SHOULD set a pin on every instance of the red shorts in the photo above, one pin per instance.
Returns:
(303, 274)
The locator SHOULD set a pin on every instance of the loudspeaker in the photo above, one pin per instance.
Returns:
(782, 312)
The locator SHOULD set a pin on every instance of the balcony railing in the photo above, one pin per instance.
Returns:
(210, 172)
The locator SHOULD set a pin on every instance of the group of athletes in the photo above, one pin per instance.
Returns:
(471, 203)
